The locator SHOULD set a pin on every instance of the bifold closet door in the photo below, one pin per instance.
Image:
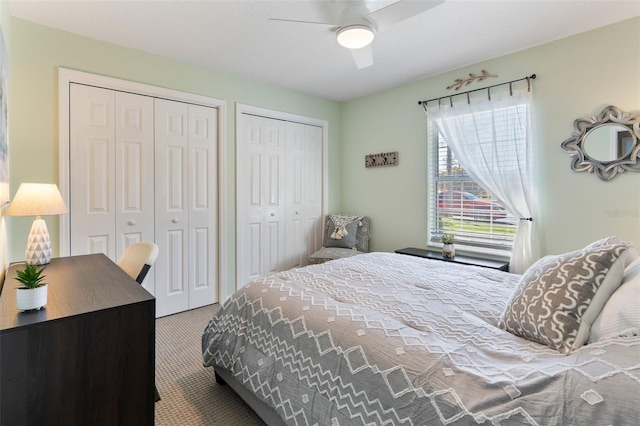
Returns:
(144, 168)
(203, 208)
(134, 175)
(185, 183)
(261, 194)
(304, 192)
(312, 191)
(92, 166)
(111, 181)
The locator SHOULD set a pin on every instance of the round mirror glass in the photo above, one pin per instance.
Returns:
(608, 142)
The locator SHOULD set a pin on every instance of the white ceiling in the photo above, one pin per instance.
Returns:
(237, 37)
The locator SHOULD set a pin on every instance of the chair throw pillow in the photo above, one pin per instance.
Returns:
(342, 231)
(560, 296)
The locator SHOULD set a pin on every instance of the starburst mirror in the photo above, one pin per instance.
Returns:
(606, 144)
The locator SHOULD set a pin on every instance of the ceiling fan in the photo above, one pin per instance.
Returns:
(356, 24)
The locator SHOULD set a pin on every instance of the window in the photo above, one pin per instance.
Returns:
(460, 206)
(491, 137)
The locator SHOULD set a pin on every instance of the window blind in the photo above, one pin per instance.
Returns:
(460, 206)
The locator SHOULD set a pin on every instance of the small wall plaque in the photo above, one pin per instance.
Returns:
(382, 159)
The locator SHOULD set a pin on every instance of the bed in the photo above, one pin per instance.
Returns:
(386, 339)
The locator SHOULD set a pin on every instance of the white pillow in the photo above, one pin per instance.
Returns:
(633, 270)
(620, 316)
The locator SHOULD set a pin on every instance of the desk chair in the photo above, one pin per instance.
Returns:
(137, 259)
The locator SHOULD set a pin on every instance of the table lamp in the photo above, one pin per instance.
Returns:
(37, 199)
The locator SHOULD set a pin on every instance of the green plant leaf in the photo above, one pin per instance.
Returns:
(448, 239)
(30, 277)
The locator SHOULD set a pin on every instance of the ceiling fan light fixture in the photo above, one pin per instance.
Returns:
(355, 36)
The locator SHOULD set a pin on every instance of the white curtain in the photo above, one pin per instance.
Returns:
(492, 141)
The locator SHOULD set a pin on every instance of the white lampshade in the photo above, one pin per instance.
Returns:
(355, 36)
(37, 199)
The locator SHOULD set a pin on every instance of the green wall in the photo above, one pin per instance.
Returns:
(37, 51)
(5, 27)
(577, 77)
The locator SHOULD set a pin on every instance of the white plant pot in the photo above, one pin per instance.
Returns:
(32, 298)
(448, 251)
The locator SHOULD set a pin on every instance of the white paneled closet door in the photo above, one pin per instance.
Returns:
(312, 192)
(134, 177)
(295, 244)
(261, 192)
(185, 186)
(304, 192)
(172, 211)
(143, 168)
(92, 157)
(112, 202)
(203, 211)
(280, 195)
(274, 199)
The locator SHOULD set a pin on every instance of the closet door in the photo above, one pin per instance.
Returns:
(296, 246)
(203, 183)
(304, 193)
(111, 183)
(92, 167)
(134, 174)
(274, 199)
(172, 206)
(186, 207)
(261, 195)
(312, 192)
(145, 169)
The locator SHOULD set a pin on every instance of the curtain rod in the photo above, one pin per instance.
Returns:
(531, 77)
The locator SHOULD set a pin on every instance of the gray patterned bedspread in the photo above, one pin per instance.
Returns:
(385, 339)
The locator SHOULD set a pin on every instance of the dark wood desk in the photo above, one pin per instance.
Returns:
(462, 259)
(87, 357)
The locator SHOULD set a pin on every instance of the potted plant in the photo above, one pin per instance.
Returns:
(32, 293)
(448, 248)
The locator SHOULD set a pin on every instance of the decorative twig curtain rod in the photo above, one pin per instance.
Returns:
(488, 89)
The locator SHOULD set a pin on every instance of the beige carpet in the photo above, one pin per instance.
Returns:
(190, 395)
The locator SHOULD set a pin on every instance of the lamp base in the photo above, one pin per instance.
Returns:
(39, 244)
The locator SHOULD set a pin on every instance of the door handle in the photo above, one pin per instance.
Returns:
(174, 220)
(131, 222)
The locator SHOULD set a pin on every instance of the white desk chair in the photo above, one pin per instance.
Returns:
(137, 259)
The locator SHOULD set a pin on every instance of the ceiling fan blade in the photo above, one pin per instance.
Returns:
(399, 11)
(294, 21)
(363, 56)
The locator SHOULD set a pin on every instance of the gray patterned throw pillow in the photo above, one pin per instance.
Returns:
(559, 297)
(345, 241)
